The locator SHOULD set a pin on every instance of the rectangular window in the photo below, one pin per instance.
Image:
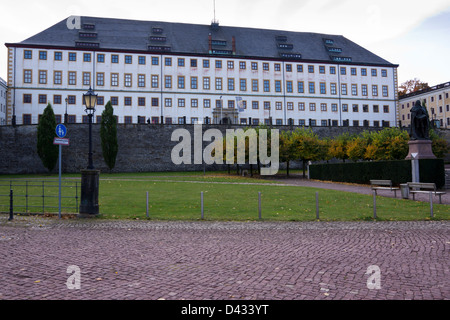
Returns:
(278, 105)
(343, 71)
(288, 67)
(375, 90)
(353, 71)
(332, 70)
(181, 84)
(42, 99)
(255, 86)
(364, 89)
(355, 108)
(26, 118)
(290, 106)
(194, 103)
(42, 77)
(141, 60)
(385, 91)
(301, 106)
(72, 56)
(71, 99)
(243, 84)
(100, 79)
(57, 99)
(334, 107)
(344, 89)
(384, 73)
(155, 102)
(128, 59)
(27, 76)
(323, 88)
(323, 107)
(345, 107)
(364, 72)
(299, 68)
(255, 105)
(218, 64)
(277, 67)
(141, 80)
(375, 108)
(230, 84)
(254, 65)
(206, 83)
(42, 55)
(194, 83)
(312, 107)
(193, 63)
(72, 78)
(114, 79)
(100, 58)
(218, 83)
(168, 82)
(266, 85)
(155, 81)
(266, 66)
(365, 108)
(127, 101)
(114, 101)
(155, 61)
(27, 54)
(300, 87)
(168, 62)
(128, 120)
(322, 69)
(230, 65)
(333, 89)
(206, 64)
(181, 103)
(58, 56)
(354, 90)
(374, 72)
(27, 98)
(168, 102)
(114, 58)
(242, 65)
(312, 87)
(87, 57)
(289, 86)
(310, 69)
(127, 80)
(277, 86)
(206, 103)
(86, 78)
(386, 109)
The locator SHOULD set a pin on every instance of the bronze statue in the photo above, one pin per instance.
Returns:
(419, 122)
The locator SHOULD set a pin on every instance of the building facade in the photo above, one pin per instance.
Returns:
(158, 72)
(437, 101)
(3, 93)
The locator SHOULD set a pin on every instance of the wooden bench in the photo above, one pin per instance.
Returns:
(423, 187)
(383, 185)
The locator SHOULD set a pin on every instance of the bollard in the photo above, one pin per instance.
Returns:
(374, 204)
(11, 203)
(259, 205)
(201, 198)
(147, 205)
(317, 205)
(431, 204)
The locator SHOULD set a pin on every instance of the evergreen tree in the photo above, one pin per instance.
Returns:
(47, 151)
(108, 135)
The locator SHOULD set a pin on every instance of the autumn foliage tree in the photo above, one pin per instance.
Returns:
(412, 85)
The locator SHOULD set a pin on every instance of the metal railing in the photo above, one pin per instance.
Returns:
(33, 196)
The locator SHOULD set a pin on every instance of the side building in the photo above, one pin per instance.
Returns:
(437, 101)
(160, 72)
(3, 93)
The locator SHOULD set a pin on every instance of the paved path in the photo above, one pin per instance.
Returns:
(223, 260)
(349, 187)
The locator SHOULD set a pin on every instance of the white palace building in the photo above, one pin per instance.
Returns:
(160, 72)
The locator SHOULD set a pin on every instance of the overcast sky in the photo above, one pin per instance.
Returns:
(414, 34)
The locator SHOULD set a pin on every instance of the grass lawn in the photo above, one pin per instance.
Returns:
(176, 196)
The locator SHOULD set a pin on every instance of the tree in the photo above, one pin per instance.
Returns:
(287, 152)
(439, 146)
(388, 144)
(108, 135)
(306, 146)
(338, 146)
(47, 151)
(412, 86)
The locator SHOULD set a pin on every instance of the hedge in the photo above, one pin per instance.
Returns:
(399, 171)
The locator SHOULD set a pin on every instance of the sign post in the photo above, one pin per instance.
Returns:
(61, 132)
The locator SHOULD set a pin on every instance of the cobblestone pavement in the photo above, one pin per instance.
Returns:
(223, 260)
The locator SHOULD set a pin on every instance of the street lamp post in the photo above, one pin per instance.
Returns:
(89, 176)
(66, 116)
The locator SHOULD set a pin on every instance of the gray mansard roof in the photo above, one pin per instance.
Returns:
(192, 39)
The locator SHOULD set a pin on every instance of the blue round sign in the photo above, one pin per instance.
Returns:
(61, 130)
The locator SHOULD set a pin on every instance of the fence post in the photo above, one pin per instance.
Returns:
(11, 205)
(431, 204)
(317, 205)
(374, 204)
(201, 200)
(147, 206)
(259, 204)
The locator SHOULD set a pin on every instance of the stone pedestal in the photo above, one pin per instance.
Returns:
(422, 148)
(89, 193)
